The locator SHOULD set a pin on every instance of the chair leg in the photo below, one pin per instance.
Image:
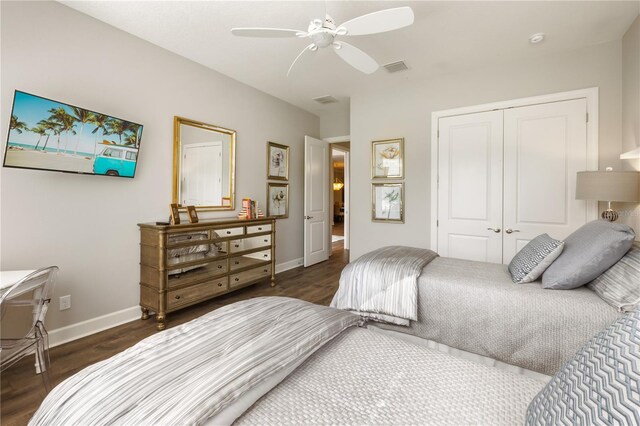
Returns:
(45, 336)
(41, 360)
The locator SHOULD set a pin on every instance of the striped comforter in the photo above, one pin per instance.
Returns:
(382, 285)
(189, 373)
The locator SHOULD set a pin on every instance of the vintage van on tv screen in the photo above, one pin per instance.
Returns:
(51, 135)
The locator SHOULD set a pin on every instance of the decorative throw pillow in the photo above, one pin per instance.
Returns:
(619, 286)
(600, 385)
(534, 258)
(588, 252)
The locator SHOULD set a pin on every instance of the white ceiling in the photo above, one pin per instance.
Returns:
(446, 37)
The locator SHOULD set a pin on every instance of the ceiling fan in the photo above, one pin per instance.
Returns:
(323, 34)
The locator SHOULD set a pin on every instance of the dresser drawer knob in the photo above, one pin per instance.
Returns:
(266, 270)
(219, 284)
(237, 279)
(228, 232)
(219, 266)
(259, 228)
(237, 262)
(177, 296)
(266, 241)
(237, 245)
(265, 255)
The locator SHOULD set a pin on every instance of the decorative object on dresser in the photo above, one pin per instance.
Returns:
(277, 161)
(278, 200)
(181, 265)
(175, 214)
(250, 210)
(388, 202)
(387, 159)
(193, 214)
(608, 186)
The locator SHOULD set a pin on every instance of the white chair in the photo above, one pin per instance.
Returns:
(23, 307)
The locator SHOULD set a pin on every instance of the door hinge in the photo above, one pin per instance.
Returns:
(437, 223)
(438, 133)
(587, 117)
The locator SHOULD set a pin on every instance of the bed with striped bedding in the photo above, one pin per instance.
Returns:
(383, 285)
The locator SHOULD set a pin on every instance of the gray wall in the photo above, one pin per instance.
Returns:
(405, 111)
(334, 122)
(87, 224)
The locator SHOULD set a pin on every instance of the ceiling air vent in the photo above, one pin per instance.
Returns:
(326, 99)
(396, 66)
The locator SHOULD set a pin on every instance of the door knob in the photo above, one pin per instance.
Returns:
(510, 231)
(308, 217)
(496, 230)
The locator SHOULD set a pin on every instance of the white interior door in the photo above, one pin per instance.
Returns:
(544, 147)
(470, 186)
(316, 201)
(202, 162)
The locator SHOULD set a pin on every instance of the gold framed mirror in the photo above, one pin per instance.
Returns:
(203, 165)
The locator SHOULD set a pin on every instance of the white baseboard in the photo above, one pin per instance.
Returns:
(289, 265)
(82, 329)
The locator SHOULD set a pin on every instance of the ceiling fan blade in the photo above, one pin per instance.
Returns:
(380, 21)
(356, 57)
(310, 48)
(266, 32)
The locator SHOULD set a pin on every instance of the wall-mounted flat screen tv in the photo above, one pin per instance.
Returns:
(50, 135)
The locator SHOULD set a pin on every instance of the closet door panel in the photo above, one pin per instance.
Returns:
(470, 186)
(544, 147)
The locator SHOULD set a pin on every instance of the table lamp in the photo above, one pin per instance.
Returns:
(608, 186)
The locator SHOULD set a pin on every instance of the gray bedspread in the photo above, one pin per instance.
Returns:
(475, 307)
(363, 377)
(382, 284)
(189, 373)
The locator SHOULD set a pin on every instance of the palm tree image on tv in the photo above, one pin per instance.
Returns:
(50, 135)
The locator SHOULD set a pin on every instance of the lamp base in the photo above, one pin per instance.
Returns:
(610, 215)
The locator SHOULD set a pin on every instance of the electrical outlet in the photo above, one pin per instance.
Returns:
(65, 302)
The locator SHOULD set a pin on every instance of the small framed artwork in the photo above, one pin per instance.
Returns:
(175, 214)
(387, 202)
(277, 161)
(278, 200)
(387, 159)
(193, 214)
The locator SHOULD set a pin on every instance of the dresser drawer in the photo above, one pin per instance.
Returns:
(229, 232)
(188, 295)
(236, 246)
(246, 277)
(259, 228)
(198, 273)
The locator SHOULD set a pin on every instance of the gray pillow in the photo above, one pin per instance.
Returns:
(599, 386)
(588, 252)
(619, 286)
(534, 258)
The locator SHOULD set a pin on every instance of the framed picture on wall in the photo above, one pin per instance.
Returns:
(387, 202)
(387, 159)
(277, 161)
(278, 200)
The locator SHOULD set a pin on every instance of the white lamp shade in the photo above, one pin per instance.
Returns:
(608, 186)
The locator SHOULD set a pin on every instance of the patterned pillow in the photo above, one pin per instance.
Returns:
(619, 285)
(600, 385)
(534, 258)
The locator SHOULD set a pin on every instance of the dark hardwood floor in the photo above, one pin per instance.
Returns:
(22, 390)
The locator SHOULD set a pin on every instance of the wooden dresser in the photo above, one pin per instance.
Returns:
(181, 265)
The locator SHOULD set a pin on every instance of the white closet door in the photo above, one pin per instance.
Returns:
(470, 187)
(544, 147)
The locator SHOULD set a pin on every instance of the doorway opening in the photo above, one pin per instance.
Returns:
(340, 196)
